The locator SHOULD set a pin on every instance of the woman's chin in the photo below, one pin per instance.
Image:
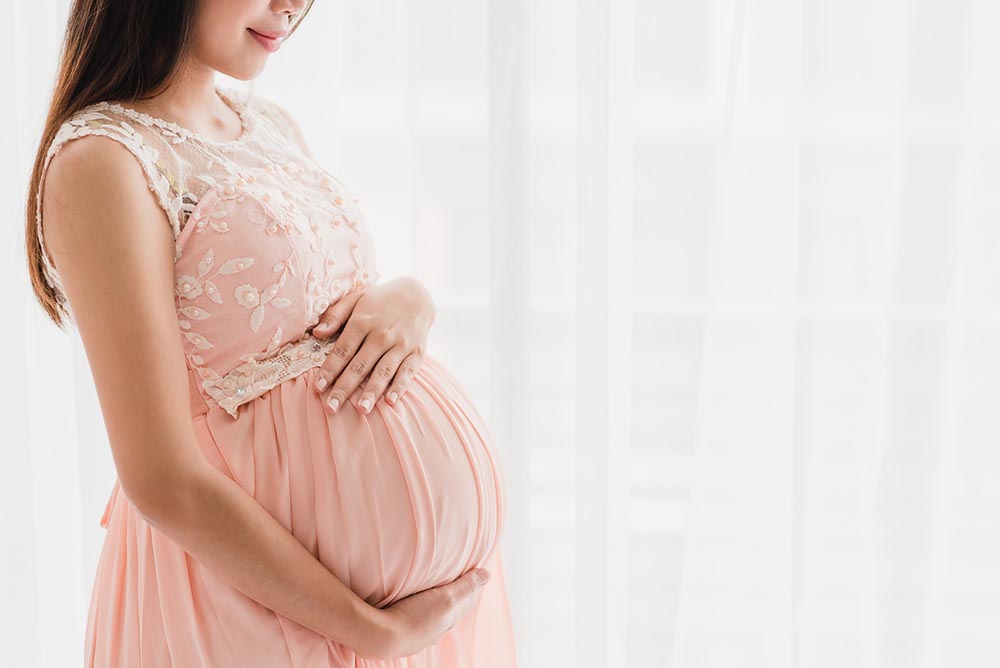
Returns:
(248, 68)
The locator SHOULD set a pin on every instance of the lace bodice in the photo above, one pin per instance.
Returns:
(265, 241)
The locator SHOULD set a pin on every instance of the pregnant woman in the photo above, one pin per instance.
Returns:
(288, 494)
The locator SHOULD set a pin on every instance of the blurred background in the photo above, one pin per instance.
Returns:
(722, 275)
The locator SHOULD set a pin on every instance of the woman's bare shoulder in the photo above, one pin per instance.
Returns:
(115, 258)
(94, 186)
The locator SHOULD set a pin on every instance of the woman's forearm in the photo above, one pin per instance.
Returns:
(225, 529)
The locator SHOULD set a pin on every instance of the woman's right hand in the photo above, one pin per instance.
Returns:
(419, 620)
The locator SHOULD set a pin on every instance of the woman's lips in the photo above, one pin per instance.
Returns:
(269, 43)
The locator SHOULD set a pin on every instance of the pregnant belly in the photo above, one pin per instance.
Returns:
(394, 502)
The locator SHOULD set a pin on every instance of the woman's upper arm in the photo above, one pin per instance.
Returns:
(114, 250)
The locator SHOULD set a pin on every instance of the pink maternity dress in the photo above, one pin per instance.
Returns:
(394, 502)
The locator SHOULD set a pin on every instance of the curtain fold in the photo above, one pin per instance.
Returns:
(721, 277)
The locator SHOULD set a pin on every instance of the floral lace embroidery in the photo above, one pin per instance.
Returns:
(261, 372)
(177, 163)
(182, 168)
(97, 123)
(277, 213)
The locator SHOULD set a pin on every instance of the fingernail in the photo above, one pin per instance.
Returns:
(392, 397)
(365, 404)
(334, 404)
(321, 383)
(484, 576)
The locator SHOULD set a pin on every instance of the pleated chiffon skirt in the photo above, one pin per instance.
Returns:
(405, 498)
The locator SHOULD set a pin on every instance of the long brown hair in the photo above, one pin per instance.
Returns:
(113, 50)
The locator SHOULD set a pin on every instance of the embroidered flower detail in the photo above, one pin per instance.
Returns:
(188, 287)
(209, 373)
(216, 219)
(287, 195)
(206, 262)
(199, 341)
(236, 265)
(247, 295)
(213, 292)
(194, 312)
(284, 265)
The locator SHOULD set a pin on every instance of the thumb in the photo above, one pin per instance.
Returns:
(326, 325)
(467, 590)
(468, 585)
(332, 319)
(329, 322)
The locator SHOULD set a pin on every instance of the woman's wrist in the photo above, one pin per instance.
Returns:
(373, 634)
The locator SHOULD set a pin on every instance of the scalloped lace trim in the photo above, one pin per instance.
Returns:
(261, 372)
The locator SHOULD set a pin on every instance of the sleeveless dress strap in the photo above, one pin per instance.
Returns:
(97, 119)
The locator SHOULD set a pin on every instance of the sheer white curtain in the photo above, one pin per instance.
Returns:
(721, 275)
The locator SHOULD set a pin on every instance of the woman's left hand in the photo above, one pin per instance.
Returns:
(384, 339)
